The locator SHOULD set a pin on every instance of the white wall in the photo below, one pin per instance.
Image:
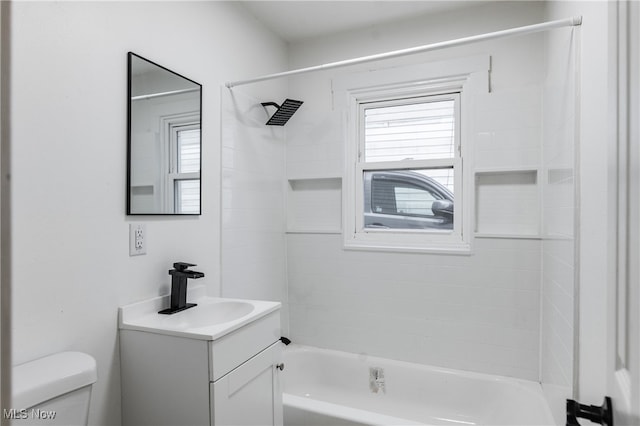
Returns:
(70, 233)
(478, 312)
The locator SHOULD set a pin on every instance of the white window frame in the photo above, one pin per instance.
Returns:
(172, 125)
(468, 77)
(362, 165)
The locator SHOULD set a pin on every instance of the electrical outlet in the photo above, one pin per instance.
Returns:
(137, 239)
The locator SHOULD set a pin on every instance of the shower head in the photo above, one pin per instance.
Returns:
(284, 112)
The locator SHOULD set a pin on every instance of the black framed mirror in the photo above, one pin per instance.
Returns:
(164, 140)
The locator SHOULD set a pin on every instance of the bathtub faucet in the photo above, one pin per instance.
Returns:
(179, 276)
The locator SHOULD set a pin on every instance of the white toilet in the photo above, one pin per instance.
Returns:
(54, 390)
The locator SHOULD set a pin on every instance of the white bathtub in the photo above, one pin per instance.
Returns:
(330, 388)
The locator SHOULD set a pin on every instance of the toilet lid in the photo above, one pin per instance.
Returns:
(43, 379)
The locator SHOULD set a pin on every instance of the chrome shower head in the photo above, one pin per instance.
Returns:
(284, 111)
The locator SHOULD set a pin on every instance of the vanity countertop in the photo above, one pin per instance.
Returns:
(211, 319)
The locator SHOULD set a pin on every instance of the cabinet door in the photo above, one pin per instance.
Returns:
(251, 393)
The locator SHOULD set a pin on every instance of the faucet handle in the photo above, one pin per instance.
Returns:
(182, 266)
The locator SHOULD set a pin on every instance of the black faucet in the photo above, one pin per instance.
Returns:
(179, 276)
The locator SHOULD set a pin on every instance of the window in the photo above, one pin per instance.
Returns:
(183, 178)
(408, 152)
(407, 166)
(410, 129)
(408, 182)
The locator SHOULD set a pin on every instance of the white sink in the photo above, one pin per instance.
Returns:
(211, 319)
(207, 314)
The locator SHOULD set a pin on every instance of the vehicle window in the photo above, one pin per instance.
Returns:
(401, 198)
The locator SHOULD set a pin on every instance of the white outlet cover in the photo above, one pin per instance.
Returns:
(137, 239)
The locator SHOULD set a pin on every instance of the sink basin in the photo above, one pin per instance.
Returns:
(212, 318)
(207, 314)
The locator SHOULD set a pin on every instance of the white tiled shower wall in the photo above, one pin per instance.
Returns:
(419, 308)
(478, 312)
(253, 207)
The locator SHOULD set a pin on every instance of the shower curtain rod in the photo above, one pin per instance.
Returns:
(528, 29)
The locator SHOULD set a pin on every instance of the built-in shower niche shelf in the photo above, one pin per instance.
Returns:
(142, 189)
(142, 196)
(507, 203)
(314, 205)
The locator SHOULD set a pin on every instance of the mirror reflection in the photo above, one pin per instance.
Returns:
(164, 140)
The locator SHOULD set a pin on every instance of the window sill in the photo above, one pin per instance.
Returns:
(458, 248)
(314, 231)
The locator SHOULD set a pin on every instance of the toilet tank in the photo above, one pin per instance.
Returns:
(54, 390)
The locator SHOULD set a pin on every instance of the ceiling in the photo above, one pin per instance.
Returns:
(297, 20)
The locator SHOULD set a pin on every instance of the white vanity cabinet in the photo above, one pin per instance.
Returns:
(250, 394)
(234, 379)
